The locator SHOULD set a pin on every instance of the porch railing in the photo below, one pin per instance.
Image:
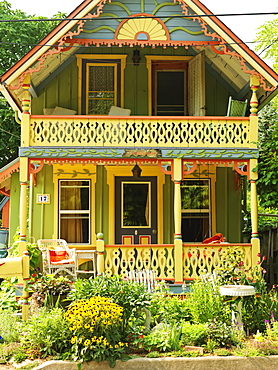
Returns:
(197, 259)
(109, 131)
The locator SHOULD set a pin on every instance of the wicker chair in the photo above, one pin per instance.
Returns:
(57, 257)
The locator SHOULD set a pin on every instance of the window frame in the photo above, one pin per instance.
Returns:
(200, 211)
(99, 59)
(61, 212)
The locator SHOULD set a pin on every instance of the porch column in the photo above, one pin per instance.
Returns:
(177, 222)
(254, 85)
(23, 178)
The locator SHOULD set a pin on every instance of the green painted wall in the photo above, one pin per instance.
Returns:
(228, 205)
(63, 89)
(14, 206)
(43, 214)
(216, 97)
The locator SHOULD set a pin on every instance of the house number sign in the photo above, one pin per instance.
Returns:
(43, 198)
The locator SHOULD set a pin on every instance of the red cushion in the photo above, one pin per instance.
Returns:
(56, 256)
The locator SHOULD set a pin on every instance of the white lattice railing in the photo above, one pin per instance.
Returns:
(107, 131)
(197, 259)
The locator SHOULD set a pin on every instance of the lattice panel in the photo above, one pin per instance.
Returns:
(202, 259)
(105, 132)
(119, 259)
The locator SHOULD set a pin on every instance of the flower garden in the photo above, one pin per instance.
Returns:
(110, 318)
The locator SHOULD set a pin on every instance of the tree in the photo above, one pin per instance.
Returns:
(268, 157)
(16, 39)
(267, 38)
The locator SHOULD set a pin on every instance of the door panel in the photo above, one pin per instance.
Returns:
(135, 210)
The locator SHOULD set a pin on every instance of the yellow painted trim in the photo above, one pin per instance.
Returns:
(80, 57)
(69, 168)
(113, 171)
(228, 39)
(149, 60)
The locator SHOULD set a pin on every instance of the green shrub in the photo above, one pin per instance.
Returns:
(7, 351)
(95, 325)
(47, 334)
(49, 290)
(221, 334)
(163, 338)
(127, 294)
(8, 296)
(169, 310)
(9, 326)
(193, 334)
(206, 303)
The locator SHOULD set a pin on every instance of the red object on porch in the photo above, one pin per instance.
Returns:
(217, 238)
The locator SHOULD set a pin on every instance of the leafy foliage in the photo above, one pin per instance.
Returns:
(17, 38)
(47, 333)
(268, 160)
(168, 309)
(127, 294)
(95, 324)
(268, 41)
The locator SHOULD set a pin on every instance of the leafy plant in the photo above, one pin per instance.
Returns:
(131, 296)
(49, 290)
(7, 351)
(193, 334)
(9, 326)
(8, 296)
(163, 337)
(220, 334)
(206, 303)
(46, 334)
(95, 325)
(167, 309)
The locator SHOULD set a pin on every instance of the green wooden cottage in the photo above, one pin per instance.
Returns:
(130, 141)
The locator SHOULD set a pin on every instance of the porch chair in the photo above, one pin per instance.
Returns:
(236, 108)
(57, 257)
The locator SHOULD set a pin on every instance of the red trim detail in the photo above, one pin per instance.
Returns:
(9, 171)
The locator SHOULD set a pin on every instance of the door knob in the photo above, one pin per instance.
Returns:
(154, 231)
(135, 232)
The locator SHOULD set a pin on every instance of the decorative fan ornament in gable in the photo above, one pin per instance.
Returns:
(145, 29)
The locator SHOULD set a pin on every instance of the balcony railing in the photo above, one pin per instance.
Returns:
(197, 259)
(112, 131)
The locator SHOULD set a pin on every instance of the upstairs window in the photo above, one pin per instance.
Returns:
(101, 88)
(101, 82)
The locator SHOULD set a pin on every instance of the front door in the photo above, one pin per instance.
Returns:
(136, 210)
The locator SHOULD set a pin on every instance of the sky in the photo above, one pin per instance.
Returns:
(245, 27)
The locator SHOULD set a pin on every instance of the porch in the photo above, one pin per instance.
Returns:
(170, 264)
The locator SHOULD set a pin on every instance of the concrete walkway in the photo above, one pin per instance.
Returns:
(185, 363)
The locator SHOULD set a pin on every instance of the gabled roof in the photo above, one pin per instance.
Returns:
(222, 47)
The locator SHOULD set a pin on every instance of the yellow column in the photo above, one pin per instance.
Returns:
(254, 213)
(254, 85)
(177, 222)
(22, 246)
(100, 254)
(26, 107)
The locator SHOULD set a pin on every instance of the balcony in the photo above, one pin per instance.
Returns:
(137, 131)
